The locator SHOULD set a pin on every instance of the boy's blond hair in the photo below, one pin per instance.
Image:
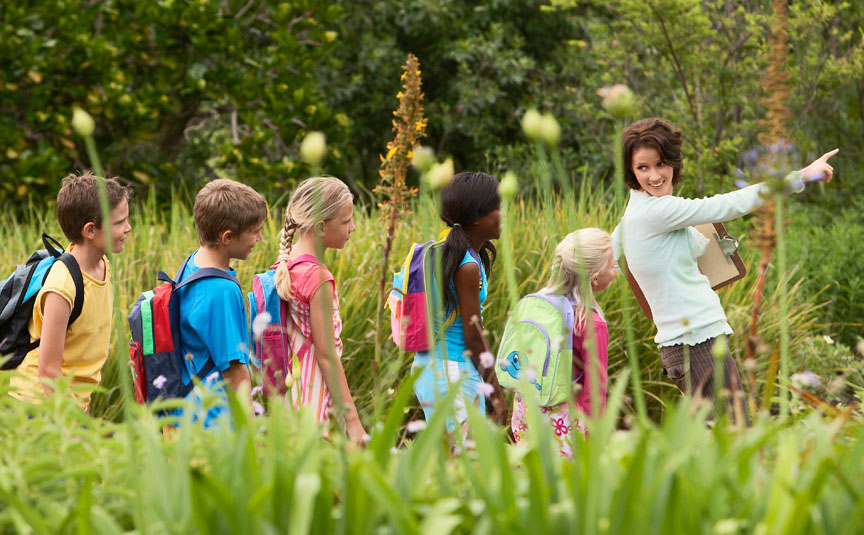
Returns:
(226, 205)
(78, 202)
(581, 253)
(315, 200)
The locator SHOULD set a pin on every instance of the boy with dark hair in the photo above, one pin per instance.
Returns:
(78, 350)
(213, 322)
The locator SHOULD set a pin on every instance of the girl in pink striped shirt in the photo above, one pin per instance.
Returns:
(583, 265)
(319, 216)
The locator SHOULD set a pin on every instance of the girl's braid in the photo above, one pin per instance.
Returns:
(282, 277)
(287, 235)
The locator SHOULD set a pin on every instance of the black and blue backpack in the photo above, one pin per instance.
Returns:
(18, 295)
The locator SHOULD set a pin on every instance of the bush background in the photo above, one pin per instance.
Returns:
(184, 91)
(187, 91)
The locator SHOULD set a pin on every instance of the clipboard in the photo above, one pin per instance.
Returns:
(720, 263)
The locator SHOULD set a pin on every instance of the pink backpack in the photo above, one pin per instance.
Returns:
(409, 313)
(271, 352)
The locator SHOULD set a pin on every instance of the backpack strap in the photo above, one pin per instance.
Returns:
(202, 273)
(78, 279)
(206, 273)
(179, 271)
(427, 279)
(55, 249)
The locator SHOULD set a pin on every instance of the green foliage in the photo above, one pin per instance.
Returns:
(700, 64)
(62, 471)
(166, 81)
(697, 63)
(180, 90)
(829, 242)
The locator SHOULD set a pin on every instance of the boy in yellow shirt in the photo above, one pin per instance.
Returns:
(80, 349)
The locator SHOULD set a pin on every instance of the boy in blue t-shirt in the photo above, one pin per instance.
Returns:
(213, 322)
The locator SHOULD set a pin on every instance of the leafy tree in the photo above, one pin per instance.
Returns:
(700, 64)
(180, 90)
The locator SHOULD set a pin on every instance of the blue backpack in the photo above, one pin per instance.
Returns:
(155, 347)
(18, 295)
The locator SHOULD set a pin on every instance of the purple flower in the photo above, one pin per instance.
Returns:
(750, 156)
(486, 389)
(487, 360)
(806, 378)
(258, 408)
(741, 183)
(257, 390)
(159, 382)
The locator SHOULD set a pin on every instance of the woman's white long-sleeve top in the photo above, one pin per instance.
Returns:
(657, 238)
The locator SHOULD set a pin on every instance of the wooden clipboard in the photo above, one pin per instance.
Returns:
(721, 268)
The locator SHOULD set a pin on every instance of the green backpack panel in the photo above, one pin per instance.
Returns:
(536, 354)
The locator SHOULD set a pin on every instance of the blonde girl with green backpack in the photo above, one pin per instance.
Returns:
(583, 266)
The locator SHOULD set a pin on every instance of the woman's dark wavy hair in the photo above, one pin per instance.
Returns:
(467, 198)
(658, 135)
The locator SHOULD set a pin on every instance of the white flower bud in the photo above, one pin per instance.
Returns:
(424, 158)
(82, 122)
(532, 124)
(509, 186)
(313, 148)
(415, 426)
(550, 130)
(440, 175)
(618, 100)
(259, 324)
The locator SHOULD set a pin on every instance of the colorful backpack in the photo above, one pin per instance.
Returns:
(18, 295)
(536, 352)
(155, 347)
(409, 309)
(271, 352)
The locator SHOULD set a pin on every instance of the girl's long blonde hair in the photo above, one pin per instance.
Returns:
(316, 199)
(581, 253)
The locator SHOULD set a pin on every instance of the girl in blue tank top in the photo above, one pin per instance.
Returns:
(471, 207)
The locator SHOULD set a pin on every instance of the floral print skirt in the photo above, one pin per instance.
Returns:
(564, 425)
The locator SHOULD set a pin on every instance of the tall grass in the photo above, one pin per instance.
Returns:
(62, 471)
(65, 472)
(161, 239)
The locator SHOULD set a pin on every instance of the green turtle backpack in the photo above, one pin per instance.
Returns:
(536, 353)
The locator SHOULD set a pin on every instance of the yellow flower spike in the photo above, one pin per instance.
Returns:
(391, 152)
(410, 154)
(400, 94)
(404, 74)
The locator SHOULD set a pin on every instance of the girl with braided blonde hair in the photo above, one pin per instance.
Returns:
(319, 216)
(583, 265)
